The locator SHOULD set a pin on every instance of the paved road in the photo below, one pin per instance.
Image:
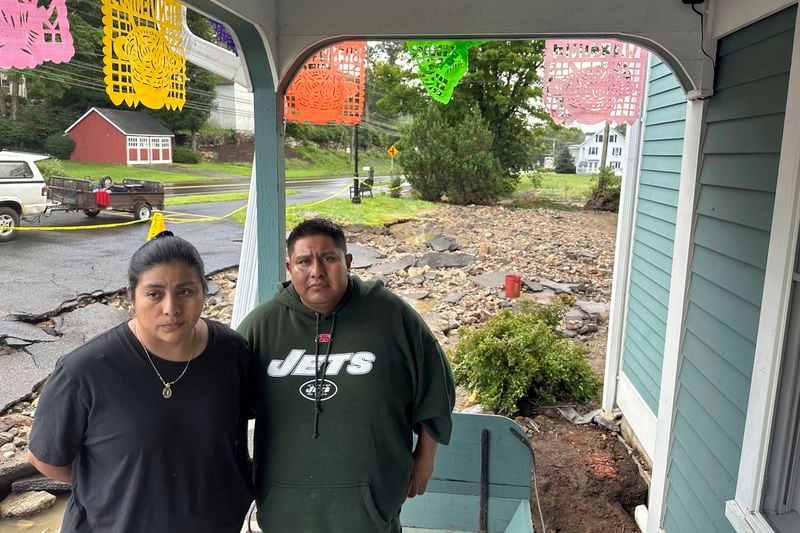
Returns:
(42, 270)
(310, 189)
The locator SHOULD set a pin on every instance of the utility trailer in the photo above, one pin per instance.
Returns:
(132, 196)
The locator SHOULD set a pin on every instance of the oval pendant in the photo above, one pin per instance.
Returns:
(167, 392)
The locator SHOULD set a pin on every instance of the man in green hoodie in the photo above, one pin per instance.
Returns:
(346, 373)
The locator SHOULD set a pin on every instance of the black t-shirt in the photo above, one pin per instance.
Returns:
(140, 462)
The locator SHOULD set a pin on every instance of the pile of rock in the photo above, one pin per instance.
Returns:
(31, 493)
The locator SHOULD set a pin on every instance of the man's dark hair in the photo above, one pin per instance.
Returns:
(317, 226)
(164, 249)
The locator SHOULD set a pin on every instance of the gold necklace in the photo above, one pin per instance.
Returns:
(166, 392)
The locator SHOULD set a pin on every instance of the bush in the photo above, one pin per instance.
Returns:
(59, 146)
(456, 160)
(394, 186)
(565, 164)
(51, 167)
(11, 134)
(181, 154)
(516, 356)
(606, 191)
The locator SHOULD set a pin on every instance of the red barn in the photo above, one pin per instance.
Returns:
(122, 137)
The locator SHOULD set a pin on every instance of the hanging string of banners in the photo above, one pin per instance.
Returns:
(441, 65)
(329, 88)
(31, 34)
(143, 57)
(590, 81)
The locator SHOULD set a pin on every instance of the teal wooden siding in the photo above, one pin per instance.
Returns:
(654, 233)
(734, 214)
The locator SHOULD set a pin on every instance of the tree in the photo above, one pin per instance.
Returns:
(565, 164)
(201, 88)
(457, 161)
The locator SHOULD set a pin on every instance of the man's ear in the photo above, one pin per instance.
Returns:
(348, 258)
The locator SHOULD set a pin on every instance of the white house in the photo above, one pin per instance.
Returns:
(587, 155)
(233, 107)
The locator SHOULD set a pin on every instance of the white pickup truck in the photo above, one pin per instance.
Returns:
(23, 192)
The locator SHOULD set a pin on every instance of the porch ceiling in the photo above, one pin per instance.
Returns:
(294, 28)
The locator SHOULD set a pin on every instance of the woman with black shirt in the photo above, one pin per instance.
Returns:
(148, 421)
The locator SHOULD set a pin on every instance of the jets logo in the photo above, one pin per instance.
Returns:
(327, 390)
(299, 363)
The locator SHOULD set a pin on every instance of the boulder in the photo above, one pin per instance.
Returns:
(442, 244)
(14, 470)
(22, 504)
(445, 260)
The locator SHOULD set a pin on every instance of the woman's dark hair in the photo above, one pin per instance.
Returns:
(163, 249)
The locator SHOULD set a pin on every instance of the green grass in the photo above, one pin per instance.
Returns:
(560, 187)
(93, 171)
(217, 197)
(239, 169)
(377, 211)
(318, 163)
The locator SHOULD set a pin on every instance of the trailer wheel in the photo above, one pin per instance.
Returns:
(142, 211)
(91, 213)
(9, 219)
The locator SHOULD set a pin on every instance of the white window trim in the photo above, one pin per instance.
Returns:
(743, 511)
(694, 132)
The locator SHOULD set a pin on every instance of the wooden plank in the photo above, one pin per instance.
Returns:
(652, 346)
(727, 307)
(764, 59)
(745, 280)
(660, 211)
(673, 97)
(752, 99)
(666, 180)
(662, 163)
(653, 240)
(755, 135)
(713, 401)
(666, 130)
(676, 517)
(706, 497)
(652, 256)
(655, 274)
(656, 225)
(721, 339)
(752, 209)
(639, 378)
(718, 475)
(753, 172)
(660, 70)
(755, 33)
(672, 148)
(455, 512)
(725, 377)
(650, 305)
(704, 429)
(685, 491)
(748, 245)
(659, 194)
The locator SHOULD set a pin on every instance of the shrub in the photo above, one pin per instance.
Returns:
(181, 154)
(51, 167)
(605, 192)
(11, 134)
(59, 146)
(456, 160)
(522, 355)
(394, 186)
(565, 164)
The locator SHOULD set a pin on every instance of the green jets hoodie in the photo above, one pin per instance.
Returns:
(336, 400)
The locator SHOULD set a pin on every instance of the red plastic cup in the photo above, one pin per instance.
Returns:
(513, 285)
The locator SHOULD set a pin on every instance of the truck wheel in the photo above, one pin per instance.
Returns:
(142, 211)
(91, 213)
(9, 219)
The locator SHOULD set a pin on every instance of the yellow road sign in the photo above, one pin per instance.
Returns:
(392, 151)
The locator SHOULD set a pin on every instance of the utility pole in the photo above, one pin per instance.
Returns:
(356, 185)
(604, 155)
